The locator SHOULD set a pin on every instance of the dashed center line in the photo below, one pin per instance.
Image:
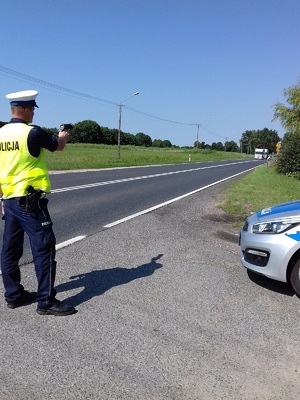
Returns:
(136, 178)
(78, 238)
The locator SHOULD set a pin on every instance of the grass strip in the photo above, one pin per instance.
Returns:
(259, 189)
(93, 156)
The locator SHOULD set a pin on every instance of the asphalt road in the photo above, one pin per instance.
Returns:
(165, 311)
(90, 200)
(83, 203)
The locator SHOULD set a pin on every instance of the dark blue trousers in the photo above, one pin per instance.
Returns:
(38, 226)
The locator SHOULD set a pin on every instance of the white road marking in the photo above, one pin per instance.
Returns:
(78, 238)
(89, 185)
(70, 241)
(120, 221)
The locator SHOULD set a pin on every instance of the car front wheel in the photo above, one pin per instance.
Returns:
(295, 277)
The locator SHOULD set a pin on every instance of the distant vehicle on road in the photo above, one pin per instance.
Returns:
(270, 243)
(260, 154)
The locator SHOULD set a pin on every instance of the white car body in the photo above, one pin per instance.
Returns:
(269, 253)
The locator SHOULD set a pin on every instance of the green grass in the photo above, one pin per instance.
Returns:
(89, 156)
(259, 189)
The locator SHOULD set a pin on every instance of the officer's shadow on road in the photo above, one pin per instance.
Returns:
(97, 282)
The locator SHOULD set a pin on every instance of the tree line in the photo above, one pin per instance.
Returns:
(91, 132)
(288, 160)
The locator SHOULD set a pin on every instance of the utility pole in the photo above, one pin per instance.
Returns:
(120, 114)
(197, 134)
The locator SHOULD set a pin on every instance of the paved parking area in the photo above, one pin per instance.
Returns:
(165, 311)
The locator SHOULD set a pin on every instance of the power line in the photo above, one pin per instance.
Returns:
(161, 119)
(21, 76)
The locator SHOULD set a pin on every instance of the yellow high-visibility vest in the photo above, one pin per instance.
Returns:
(18, 168)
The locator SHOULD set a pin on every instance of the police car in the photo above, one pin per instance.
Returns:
(270, 243)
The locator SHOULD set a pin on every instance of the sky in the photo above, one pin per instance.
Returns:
(219, 64)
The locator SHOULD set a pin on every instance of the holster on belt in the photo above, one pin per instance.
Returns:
(32, 198)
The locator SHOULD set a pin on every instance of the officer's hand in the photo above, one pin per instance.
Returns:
(64, 134)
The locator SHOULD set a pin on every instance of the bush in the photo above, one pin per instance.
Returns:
(288, 161)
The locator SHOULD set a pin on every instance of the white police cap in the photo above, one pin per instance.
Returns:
(24, 98)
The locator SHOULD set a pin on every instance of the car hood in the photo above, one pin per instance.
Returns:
(290, 211)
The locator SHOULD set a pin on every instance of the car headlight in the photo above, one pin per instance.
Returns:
(272, 227)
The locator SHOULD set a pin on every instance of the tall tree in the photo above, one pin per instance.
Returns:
(231, 146)
(289, 115)
(110, 136)
(157, 143)
(127, 139)
(262, 139)
(217, 146)
(166, 143)
(142, 139)
(86, 132)
(288, 160)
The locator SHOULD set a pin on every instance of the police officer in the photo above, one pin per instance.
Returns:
(24, 181)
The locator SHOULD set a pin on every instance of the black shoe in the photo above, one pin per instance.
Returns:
(57, 308)
(25, 299)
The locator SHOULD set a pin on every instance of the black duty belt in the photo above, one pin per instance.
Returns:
(18, 198)
(30, 200)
